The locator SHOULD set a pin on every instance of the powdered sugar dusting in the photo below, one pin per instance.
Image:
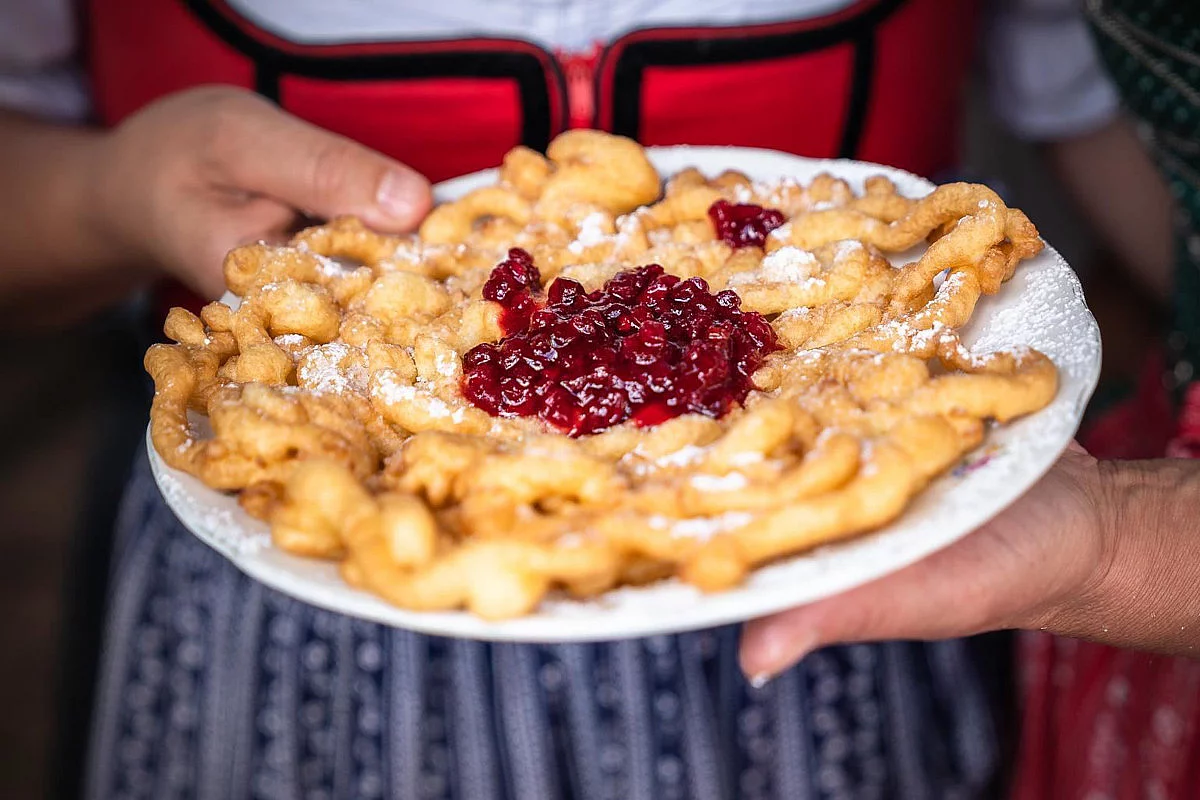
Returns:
(846, 248)
(447, 364)
(230, 529)
(334, 268)
(770, 193)
(702, 528)
(799, 312)
(392, 391)
(660, 237)
(1040, 312)
(719, 483)
(905, 336)
(639, 464)
(334, 368)
(785, 265)
(411, 253)
(746, 458)
(681, 457)
(591, 233)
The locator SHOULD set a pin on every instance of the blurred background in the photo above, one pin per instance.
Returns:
(67, 392)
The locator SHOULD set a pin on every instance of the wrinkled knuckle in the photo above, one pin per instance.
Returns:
(220, 138)
(332, 168)
(212, 95)
(872, 622)
(224, 113)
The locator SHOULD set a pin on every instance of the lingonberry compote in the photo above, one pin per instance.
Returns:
(647, 347)
(743, 224)
(512, 284)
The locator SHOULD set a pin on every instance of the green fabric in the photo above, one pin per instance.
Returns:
(1152, 51)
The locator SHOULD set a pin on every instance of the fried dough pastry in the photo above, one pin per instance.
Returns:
(335, 388)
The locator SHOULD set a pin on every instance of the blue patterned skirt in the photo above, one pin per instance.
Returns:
(214, 686)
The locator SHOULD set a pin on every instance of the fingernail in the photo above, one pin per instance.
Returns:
(780, 647)
(398, 194)
(760, 679)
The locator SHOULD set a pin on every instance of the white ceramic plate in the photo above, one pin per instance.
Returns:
(1042, 307)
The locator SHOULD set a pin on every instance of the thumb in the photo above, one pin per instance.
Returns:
(272, 153)
(1005, 574)
(943, 596)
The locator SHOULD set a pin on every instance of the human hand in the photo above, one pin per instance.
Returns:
(1033, 566)
(195, 174)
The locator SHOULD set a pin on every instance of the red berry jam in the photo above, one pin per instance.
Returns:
(648, 347)
(512, 284)
(743, 224)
